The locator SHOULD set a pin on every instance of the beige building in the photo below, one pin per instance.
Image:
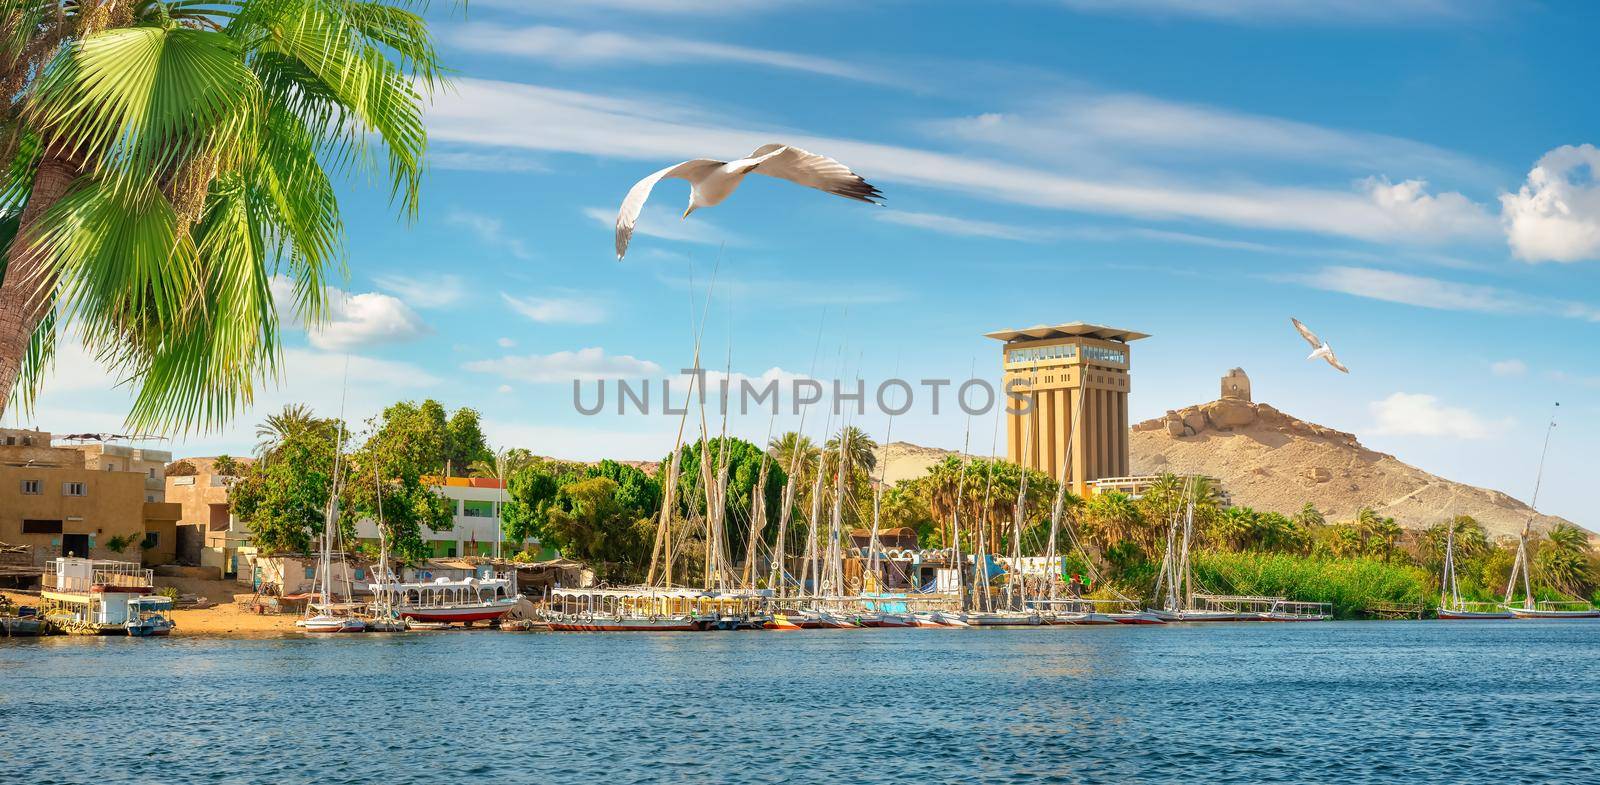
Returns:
(102, 457)
(208, 535)
(1074, 379)
(52, 501)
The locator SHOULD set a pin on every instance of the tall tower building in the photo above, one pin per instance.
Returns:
(1074, 378)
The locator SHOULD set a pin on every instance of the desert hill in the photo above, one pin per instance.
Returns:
(1269, 460)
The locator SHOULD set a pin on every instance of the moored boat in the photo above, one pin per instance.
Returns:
(1462, 614)
(146, 618)
(1136, 617)
(327, 623)
(1555, 610)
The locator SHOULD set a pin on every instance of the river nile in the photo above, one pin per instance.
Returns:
(1420, 702)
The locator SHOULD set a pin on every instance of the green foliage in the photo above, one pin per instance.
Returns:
(539, 501)
(744, 470)
(1351, 585)
(198, 142)
(283, 497)
(1562, 561)
(533, 490)
(119, 543)
(170, 592)
(388, 480)
(464, 442)
(588, 522)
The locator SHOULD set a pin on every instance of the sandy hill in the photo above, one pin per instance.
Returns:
(1269, 460)
(1272, 461)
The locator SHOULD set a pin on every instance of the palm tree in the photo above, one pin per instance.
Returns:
(1113, 518)
(1563, 559)
(277, 429)
(161, 161)
(860, 451)
(505, 464)
(1310, 517)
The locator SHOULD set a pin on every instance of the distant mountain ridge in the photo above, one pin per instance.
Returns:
(1270, 460)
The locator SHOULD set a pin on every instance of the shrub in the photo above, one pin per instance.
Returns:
(1351, 585)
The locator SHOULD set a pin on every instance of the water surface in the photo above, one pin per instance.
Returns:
(1419, 702)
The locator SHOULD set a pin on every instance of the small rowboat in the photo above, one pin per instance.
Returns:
(783, 621)
(926, 619)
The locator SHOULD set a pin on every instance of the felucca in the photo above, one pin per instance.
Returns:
(1530, 607)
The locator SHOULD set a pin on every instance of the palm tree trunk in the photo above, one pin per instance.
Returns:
(24, 295)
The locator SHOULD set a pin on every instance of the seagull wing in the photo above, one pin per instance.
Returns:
(693, 171)
(1334, 361)
(1305, 332)
(811, 170)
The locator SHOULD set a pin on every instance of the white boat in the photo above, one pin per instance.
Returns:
(1290, 610)
(325, 623)
(1198, 615)
(1570, 610)
(461, 601)
(1461, 614)
(1004, 619)
(1451, 606)
(1136, 617)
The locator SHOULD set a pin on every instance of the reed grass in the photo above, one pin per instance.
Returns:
(1353, 586)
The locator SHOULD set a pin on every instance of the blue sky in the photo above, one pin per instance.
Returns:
(1409, 177)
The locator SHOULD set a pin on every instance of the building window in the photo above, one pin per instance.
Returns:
(152, 472)
(32, 487)
(150, 540)
(74, 489)
(311, 572)
(31, 526)
(111, 467)
(476, 509)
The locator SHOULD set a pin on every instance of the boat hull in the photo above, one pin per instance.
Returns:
(1136, 617)
(684, 624)
(456, 615)
(1290, 617)
(1536, 613)
(327, 625)
(1449, 615)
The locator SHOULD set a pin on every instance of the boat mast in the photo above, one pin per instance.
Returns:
(957, 560)
(980, 573)
(779, 580)
(1014, 587)
(1521, 563)
(1448, 595)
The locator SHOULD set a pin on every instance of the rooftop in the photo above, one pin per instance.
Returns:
(1068, 330)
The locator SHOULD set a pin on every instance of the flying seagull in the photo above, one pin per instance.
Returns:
(1319, 347)
(712, 181)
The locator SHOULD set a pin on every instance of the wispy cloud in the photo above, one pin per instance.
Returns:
(608, 8)
(1417, 414)
(505, 114)
(491, 232)
(960, 227)
(1440, 294)
(1511, 367)
(776, 291)
(424, 291)
(569, 309)
(660, 222)
(502, 161)
(1335, 12)
(567, 47)
(582, 365)
(1133, 130)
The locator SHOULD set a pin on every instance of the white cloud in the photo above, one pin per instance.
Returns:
(583, 365)
(608, 8)
(1417, 414)
(1416, 215)
(354, 321)
(660, 222)
(567, 47)
(1555, 216)
(1511, 367)
(1341, 12)
(503, 389)
(424, 291)
(506, 343)
(1440, 294)
(1131, 130)
(502, 161)
(491, 232)
(960, 227)
(557, 310)
(509, 115)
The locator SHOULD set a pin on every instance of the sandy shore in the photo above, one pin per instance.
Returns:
(226, 618)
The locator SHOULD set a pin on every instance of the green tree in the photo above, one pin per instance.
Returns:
(590, 524)
(533, 490)
(283, 497)
(387, 479)
(464, 442)
(1562, 561)
(502, 464)
(1309, 517)
(162, 160)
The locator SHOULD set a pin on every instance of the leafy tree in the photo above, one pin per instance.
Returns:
(1562, 561)
(744, 469)
(464, 442)
(162, 160)
(533, 489)
(506, 463)
(1309, 517)
(283, 497)
(1113, 520)
(386, 481)
(590, 524)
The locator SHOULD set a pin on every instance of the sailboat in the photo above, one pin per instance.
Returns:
(1451, 605)
(1177, 576)
(326, 620)
(1531, 608)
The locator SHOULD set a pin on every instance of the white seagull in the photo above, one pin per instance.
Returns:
(712, 181)
(1319, 347)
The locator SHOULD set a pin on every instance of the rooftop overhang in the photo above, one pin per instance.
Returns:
(1068, 330)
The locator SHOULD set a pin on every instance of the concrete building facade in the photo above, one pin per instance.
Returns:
(1067, 391)
(52, 501)
(476, 522)
(152, 464)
